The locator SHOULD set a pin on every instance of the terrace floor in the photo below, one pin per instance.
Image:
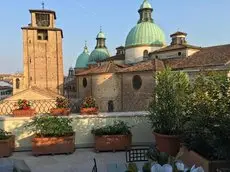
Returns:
(80, 161)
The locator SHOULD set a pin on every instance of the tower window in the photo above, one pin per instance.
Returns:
(42, 35)
(137, 82)
(17, 83)
(43, 20)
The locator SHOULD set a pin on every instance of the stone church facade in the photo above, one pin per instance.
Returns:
(125, 81)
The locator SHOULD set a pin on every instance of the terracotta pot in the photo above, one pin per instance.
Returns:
(191, 158)
(60, 112)
(167, 143)
(7, 147)
(24, 113)
(112, 142)
(53, 145)
(89, 111)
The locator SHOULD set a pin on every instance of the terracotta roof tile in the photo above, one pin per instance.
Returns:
(209, 56)
(150, 65)
(175, 47)
(116, 57)
(106, 68)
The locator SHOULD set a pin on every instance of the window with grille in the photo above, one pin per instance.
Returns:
(42, 20)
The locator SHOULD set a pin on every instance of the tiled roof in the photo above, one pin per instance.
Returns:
(175, 47)
(106, 68)
(150, 65)
(209, 56)
(116, 57)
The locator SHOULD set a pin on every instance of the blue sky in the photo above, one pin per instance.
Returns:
(206, 22)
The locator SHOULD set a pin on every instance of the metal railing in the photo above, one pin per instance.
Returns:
(41, 106)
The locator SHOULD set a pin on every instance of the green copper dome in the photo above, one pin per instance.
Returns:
(98, 54)
(101, 35)
(146, 4)
(145, 33)
(83, 58)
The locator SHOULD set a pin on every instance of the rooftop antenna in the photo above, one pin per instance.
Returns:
(100, 28)
(43, 5)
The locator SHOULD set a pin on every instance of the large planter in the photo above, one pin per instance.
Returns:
(7, 147)
(112, 142)
(89, 111)
(53, 145)
(24, 112)
(60, 111)
(167, 143)
(191, 158)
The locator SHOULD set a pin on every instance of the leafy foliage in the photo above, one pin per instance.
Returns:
(50, 126)
(167, 108)
(4, 135)
(117, 128)
(156, 156)
(62, 102)
(208, 128)
(132, 167)
(89, 102)
(23, 104)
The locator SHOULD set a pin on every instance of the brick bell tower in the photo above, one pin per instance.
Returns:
(42, 52)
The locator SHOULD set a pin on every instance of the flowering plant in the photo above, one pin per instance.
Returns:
(23, 104)
(89, 102)
(62, 102)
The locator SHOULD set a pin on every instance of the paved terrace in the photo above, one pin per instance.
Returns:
(80, 161)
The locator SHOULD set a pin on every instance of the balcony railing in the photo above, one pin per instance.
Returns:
(41, 106)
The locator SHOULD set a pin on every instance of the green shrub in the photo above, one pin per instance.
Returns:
(4, 135)
(208, 129)
(168, 106)
(50, 126)
(117, 128)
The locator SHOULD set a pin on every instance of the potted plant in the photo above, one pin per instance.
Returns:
(206, 135)
(53, 135)
(89, 106)
(6, 143)
(167, 109)
(23, 109)
(62, 107)
(112, 137)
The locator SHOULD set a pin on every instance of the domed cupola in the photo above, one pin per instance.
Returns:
(100, 52)
(83, 58)
(145, 34)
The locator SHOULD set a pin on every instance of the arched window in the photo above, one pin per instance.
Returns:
(146, 54)
(17, 83)
(110, 106)
(137, 82)
(84, 82)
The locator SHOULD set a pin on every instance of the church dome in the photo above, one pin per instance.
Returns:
(83, 58)
(98, 54)
(101, 35)
(145, 33)
(146, 4)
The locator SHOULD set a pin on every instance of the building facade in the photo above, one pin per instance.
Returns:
(125, 81)
(42, 57)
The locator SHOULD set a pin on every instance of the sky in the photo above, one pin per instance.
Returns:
(206, 22)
